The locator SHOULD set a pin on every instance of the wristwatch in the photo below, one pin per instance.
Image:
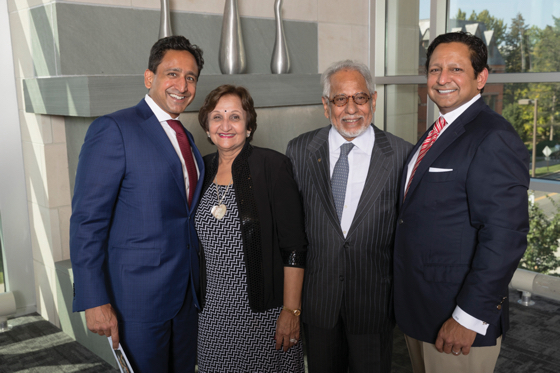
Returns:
(295, 312)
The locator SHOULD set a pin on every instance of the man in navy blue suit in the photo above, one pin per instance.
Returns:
(463, 219)
(133, 245)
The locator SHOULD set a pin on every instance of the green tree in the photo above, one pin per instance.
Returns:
(492, 23)
(542, 240)
(461, 16)
(516, 48)
(514, 114)
(547, 51)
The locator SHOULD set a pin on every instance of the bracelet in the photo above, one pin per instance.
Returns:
(295, 312)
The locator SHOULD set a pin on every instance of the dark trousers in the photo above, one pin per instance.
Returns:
(336, 351)
(163, 347)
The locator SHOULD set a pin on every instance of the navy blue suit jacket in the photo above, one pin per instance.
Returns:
(462, 231)
(132, 237)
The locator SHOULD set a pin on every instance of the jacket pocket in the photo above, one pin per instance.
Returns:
(439, 177)
(454, 274)
(135, 256)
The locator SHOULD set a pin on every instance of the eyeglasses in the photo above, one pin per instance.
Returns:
(359, 99)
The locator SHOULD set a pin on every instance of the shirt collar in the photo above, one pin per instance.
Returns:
(454, 114)
(161, 115)
(364, 142)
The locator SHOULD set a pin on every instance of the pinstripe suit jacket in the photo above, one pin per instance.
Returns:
(356, 270)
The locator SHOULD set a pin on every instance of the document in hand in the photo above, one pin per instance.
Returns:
(121, 358)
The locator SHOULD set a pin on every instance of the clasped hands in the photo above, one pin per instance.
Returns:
(454, 338)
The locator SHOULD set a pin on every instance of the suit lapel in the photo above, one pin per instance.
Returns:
(407, 163)
(456, 129)
(379, 167)
(200, 162)
(158, 137)
(318, 164)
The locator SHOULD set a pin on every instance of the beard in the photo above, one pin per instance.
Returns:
(355, 132)
(351, 132)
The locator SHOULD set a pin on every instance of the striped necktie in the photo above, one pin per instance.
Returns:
(426, 145)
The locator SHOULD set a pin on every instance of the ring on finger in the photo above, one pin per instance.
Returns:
(293, 340)
(455, 352)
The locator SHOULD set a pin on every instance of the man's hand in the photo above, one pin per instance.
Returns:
(454, 337)
(103, 321)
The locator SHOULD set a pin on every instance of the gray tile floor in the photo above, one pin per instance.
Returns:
(531, 346)
(34, 345)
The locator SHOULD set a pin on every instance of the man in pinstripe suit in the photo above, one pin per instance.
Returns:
(347, 298)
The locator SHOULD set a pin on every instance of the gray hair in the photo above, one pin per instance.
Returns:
(346, 65)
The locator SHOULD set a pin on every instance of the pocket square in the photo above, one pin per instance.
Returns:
(435, 169)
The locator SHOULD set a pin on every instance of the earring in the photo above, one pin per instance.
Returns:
(208, 133)
(248, 133)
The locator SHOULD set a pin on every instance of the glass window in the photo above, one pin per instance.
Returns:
(543, 253)
(2, 286)
(516, 103)
(408, 35)
(521, 36)
(406, 110)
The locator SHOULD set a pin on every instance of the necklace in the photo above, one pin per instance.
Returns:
(219, 210)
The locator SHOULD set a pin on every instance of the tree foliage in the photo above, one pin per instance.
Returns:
(492, 23)
(542, 240)
(462, 16)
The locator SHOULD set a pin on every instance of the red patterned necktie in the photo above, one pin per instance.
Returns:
(187, 156)
(426, 145)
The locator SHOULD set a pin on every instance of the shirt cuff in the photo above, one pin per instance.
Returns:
(470, 322)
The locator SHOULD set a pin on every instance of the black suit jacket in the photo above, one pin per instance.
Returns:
(356, 269)
(463, 227)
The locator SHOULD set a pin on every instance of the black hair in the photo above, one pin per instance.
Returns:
(175, 42)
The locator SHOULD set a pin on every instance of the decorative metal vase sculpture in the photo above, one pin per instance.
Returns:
(232, 51)
(280, 63)
(164, 20)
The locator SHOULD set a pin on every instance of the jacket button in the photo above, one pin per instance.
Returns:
(346, 245)
(499, 307)
(341, 278)
(401, 221)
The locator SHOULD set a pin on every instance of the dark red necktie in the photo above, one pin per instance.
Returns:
(187, 156)
(426, 145)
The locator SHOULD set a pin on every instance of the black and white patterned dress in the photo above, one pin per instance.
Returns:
(231, 337)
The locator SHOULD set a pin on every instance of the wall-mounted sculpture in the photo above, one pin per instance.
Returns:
(164, 20)
(232, 51)
(280, 63)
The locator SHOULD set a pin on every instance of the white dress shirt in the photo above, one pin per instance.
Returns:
(358, 162)
(163, 117)
(459, 315)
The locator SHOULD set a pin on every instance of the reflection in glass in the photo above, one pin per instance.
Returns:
(406, 34)
(520, 38)
(405, 110)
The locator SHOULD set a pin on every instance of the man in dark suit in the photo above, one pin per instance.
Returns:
(133, 245)
(348, 174)
(463, 221)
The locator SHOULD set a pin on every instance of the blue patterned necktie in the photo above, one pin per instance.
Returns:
(340, 178)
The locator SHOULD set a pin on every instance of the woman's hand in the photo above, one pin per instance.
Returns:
(287, 330)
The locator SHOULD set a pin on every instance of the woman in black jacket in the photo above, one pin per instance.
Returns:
(251, 228)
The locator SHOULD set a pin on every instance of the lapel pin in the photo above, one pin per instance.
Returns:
(319, 160)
